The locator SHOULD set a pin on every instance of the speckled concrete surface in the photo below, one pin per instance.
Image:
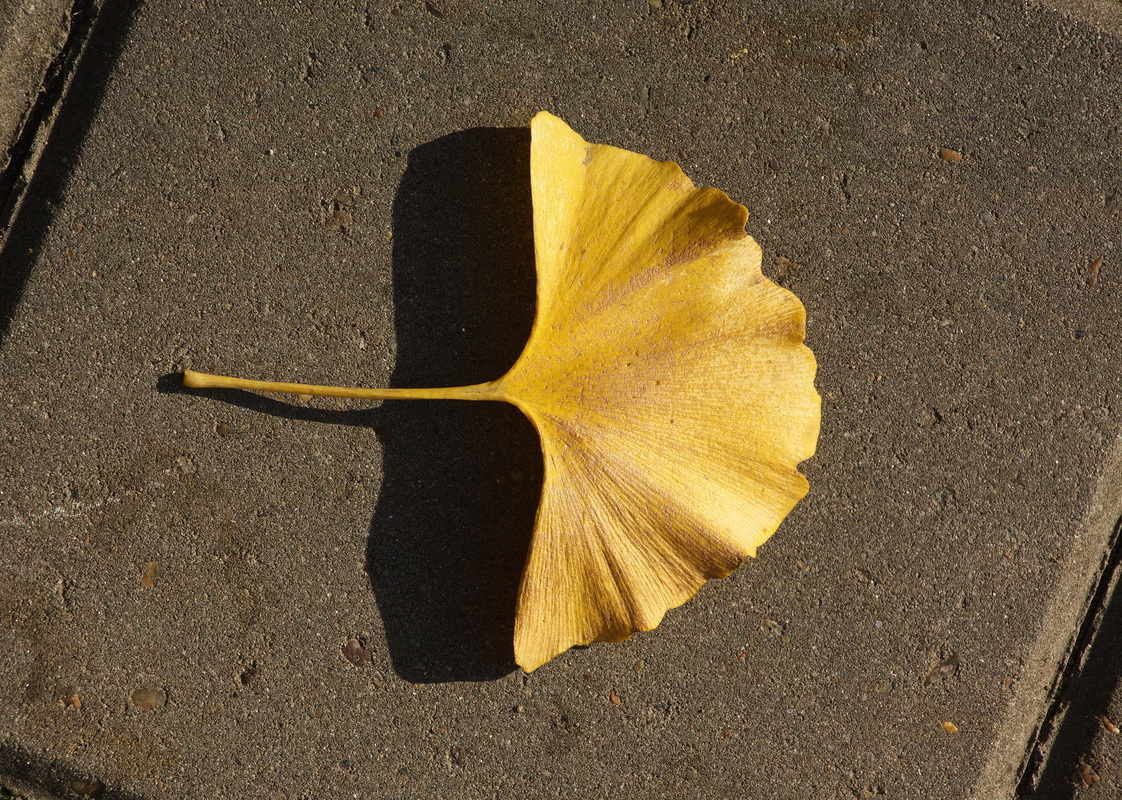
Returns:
(222, 595)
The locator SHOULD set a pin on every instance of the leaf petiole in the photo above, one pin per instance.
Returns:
(203, 380)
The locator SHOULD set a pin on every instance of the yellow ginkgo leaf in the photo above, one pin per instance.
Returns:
(667, 379)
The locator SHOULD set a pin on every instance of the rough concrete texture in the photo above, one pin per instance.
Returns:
(215, 594)
(1103, 14)
(32, 33)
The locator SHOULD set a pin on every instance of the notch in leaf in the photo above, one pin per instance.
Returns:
(667, 379)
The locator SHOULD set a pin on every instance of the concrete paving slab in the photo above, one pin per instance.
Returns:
(226, 595)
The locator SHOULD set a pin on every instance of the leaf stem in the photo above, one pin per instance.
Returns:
(479, 391)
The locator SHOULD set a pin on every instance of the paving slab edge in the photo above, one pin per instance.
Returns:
(1022, 742)
(15, 789)
(1069, 706)
(23, 156)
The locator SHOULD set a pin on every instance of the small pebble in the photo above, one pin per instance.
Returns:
(947, 154)
(338, 220)
(149, 579)
(774, 627)
(149, 699)
(950, 727)
(614, 697)
(354, 652)
(1093, 273)
(785, 267)
(87, 788)
(1110, 726)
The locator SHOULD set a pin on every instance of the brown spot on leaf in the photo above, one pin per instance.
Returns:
(693, 250)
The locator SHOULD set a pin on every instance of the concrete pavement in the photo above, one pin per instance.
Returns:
(232, 596)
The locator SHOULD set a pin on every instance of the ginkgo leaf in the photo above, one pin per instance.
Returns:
(667, 379)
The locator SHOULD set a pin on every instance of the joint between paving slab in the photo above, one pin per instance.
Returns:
(1024, 738)
(1085, 640)
(37, 124)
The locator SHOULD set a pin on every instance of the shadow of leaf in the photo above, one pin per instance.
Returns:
(461, 480)
(450, 533)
